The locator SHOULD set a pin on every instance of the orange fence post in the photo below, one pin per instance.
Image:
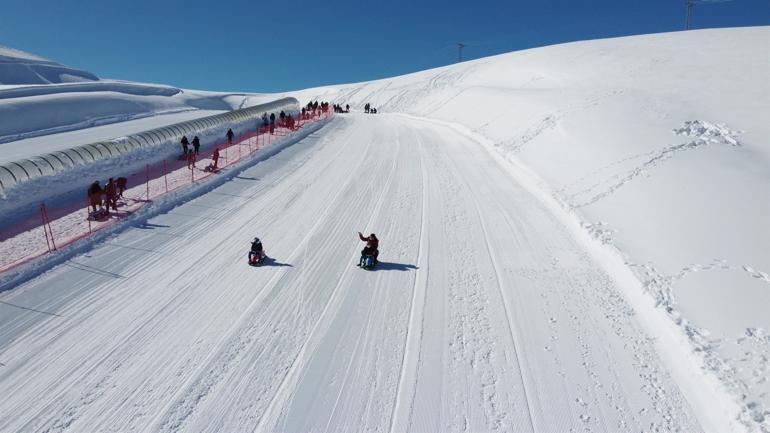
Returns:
(147, 179)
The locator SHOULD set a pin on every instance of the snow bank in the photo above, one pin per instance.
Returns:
(40, 97)
(18, 67)
(658, 144)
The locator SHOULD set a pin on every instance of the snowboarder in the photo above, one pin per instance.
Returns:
(95, 195)
(370, 250)
(230, 136)
(257, 252)
(196, 145)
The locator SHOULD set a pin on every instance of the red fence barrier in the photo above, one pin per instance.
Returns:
(66, 224)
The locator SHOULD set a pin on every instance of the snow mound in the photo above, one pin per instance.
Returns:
(18, 67)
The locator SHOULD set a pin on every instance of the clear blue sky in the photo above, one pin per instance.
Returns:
(260, 46)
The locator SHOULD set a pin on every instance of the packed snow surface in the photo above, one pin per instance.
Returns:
(573, 238)
(484, 313)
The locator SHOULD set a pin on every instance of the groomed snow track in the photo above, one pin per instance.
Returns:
(483, 315)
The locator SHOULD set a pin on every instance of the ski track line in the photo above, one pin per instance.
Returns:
(520, 359)
(305, 347)
(227, 336)
(412, 342)
(365, 332)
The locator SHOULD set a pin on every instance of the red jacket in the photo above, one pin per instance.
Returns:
(370, 241)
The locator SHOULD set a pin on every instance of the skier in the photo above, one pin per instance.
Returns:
(196, 145)
(370, 249)
(257, 253)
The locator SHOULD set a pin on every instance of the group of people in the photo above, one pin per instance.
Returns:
(338, 108)
(192, 154)
(106, 198)
(369, 109)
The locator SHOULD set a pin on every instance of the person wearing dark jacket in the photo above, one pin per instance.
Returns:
(257, 252)
(185, 143)
(95, 195)
(111, 195)
(372, 243)
(196, 145)
(230, 136)
(121, 184)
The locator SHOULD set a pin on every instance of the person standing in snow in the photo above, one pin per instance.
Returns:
(185, 143)
(230, 136)
(95, 195)
(272, 123)
(196, 145)
(191, 160)
(121, 183)
(215, 157)
(111, 194)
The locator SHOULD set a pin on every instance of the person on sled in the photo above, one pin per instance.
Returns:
(370, 249)
(257, 252)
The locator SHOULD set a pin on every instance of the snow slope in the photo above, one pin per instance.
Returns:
(658, 145)
(574, 238)
(485, 313)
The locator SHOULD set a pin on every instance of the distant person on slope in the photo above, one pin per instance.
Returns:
(196, 145)
(372, 243)
(257, 252)
(230, 136)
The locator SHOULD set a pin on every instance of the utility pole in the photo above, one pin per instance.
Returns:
(460, 52)
(689, 4)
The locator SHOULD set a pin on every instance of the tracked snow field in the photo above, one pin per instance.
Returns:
(483, 315)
